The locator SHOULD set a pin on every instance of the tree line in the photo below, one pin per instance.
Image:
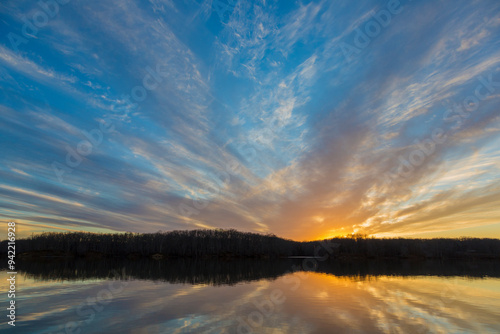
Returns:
(233, 243)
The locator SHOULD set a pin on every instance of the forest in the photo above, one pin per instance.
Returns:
(219, 243)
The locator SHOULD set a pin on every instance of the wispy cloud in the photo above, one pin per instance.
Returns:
(258, 116)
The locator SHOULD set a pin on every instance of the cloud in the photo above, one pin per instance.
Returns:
(258, 122)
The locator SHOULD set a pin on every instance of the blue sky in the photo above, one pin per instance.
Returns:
(307, 119)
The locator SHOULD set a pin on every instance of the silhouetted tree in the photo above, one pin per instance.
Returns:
(232, 243)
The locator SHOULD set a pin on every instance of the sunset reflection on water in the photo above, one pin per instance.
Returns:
(296, 302)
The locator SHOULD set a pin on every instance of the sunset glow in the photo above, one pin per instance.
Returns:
(297, 118)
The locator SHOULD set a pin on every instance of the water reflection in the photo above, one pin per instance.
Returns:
(180, 296)
(217, 272)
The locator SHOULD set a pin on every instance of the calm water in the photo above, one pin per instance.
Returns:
(256, 297)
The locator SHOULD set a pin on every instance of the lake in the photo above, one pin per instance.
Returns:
(255, 296)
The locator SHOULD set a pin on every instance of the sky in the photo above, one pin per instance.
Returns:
(306, 119)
